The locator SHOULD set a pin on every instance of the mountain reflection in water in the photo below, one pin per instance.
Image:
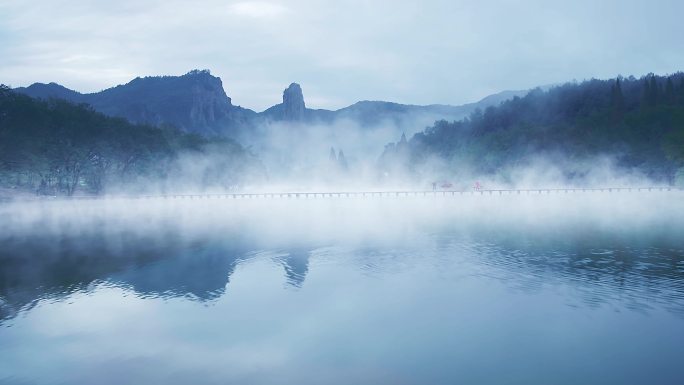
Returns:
(387, 291)
(604, 269)
(200, 271)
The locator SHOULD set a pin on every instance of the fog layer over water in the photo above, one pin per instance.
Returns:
(560, 288)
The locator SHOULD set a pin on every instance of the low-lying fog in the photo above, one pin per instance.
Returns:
(344, 156)
(392, 218)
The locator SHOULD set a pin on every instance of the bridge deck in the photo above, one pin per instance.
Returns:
(389, 194)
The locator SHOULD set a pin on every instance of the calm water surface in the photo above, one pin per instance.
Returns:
(233, 303)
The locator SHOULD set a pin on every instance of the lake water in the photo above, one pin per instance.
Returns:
(579, 289)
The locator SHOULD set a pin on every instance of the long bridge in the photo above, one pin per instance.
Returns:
(391, 194)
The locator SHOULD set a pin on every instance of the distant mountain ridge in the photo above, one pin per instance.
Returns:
(194, 102)
(197, 102)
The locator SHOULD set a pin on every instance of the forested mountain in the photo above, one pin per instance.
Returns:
(57, 147)
(638, 123)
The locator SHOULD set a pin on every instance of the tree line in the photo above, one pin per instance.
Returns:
(637, 122)
(55, 147)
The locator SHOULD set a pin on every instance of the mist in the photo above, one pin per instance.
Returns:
(470, 193)
(223, 266)
(330, 218)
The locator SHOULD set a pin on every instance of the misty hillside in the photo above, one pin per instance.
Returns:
(194, 102)
(55, 147)
(636, 123)
(371, 113)
(375, 112)
(197, 102)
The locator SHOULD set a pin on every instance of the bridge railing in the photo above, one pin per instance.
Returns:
(388, 194)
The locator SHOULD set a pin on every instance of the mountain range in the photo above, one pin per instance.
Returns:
(197, 102)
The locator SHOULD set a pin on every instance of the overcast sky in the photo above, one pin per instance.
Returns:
(340, 51)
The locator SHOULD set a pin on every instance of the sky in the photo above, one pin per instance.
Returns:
(340, 51)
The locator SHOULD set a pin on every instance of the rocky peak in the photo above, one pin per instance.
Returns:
(203, 85)
(293, 103)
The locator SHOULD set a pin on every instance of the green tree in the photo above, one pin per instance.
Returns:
(617, 101)
(669, 97)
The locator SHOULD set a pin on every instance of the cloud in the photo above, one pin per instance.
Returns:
(258, 9)
(341, 51)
